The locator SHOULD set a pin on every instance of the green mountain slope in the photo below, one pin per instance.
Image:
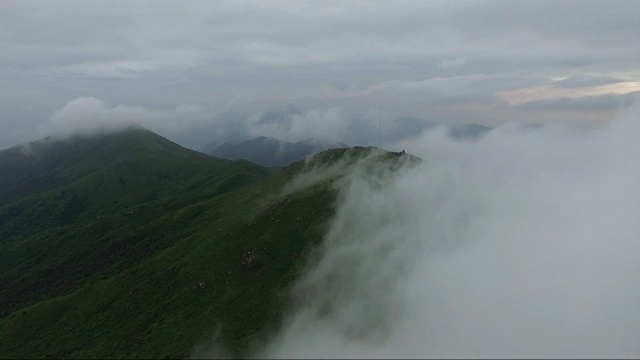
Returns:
(127, 245)
(68, 218)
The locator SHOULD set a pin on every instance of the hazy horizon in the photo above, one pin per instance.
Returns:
(194, 71)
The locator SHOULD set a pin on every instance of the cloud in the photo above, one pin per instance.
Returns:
(522, 244)
(415, 58)
(125, 69)
(550, 92)
(88, 115)
(231, 37)
(582, 80)
(450, 64)
(591, 103)
(466, 89)
(326, 124)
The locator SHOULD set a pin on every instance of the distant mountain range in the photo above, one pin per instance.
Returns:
(408, 127)
(268, 151)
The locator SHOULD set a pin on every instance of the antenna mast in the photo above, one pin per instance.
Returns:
(379, 125)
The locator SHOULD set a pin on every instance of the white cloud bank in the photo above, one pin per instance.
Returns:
(88, 115)
(324, 124)
(522, 244)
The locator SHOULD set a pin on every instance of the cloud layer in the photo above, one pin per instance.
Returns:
(522, 244)
(457, 61)
(88, 115)
(329, 124)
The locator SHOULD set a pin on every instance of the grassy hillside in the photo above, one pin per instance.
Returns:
(127, 245)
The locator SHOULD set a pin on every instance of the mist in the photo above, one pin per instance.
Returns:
(524, 243)
(87, 116)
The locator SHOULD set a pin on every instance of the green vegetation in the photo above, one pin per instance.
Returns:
(127, 245)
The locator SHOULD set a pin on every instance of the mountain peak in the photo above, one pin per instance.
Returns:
(37, 164)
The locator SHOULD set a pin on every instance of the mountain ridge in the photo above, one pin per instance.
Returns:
(92, 266)
(270, 152)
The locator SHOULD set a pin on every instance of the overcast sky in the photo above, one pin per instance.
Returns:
(192, 70)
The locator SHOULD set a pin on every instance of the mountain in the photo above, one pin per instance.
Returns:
(467, 131)
(128, 245)
(270, 152)
(233, 138)
(82, 210)
(407, 127)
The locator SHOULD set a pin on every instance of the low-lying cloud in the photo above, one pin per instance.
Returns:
(88, 115)
(524, 243)
(324, 124)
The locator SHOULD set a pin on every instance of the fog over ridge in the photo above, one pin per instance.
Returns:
(522, 244)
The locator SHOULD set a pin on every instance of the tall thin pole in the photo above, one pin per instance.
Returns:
(379, 125)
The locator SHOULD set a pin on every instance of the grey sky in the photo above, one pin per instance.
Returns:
(191, 70)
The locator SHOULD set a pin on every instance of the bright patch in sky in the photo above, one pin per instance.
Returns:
(545, 92)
